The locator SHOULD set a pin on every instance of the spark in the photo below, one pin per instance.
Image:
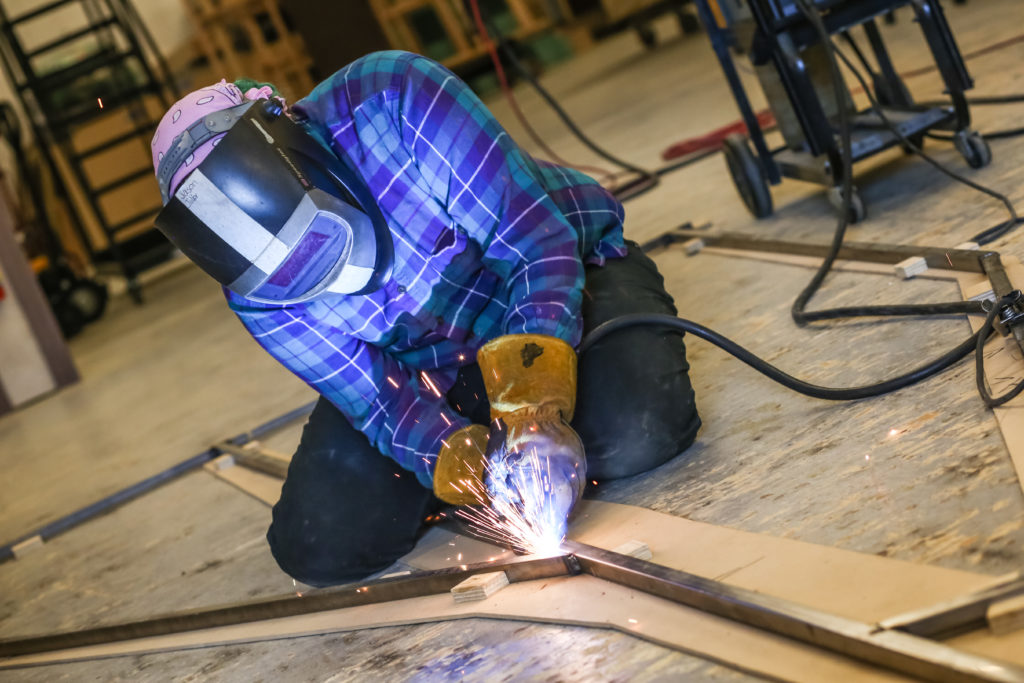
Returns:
(949, 259)
(459, 558)
(867, 457)
(633, 621)
(392, 382)
(430, 384)
(520, 513)
(893, 432)
(446, 420)
(99, 101)
(462, 356)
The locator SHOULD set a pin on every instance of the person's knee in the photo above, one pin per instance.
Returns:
(643, 440)
(641, 411)
(330, 559)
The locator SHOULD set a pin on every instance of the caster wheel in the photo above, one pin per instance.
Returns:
(688, 23)
(973, 148)
(748, 175)
(647, 36)
(857, 211)
(89, 297)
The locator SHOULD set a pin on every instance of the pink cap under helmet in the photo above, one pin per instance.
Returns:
(187, 111)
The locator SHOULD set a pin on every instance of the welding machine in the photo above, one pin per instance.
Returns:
(794, 71)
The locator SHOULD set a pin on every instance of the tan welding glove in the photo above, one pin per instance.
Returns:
(459, 472)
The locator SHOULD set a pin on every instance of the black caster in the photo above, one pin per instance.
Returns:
(973, 148)
(89, 297)
(857, 210)
(647, 36)
(748, 175)
(688, 23)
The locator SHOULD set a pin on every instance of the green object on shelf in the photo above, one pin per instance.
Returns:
(550, 48)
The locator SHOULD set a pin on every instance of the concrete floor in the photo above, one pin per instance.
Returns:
(163, 381)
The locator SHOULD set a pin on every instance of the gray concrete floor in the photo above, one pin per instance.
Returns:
(163, 381)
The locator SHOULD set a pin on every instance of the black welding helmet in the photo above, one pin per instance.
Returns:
(270, 213)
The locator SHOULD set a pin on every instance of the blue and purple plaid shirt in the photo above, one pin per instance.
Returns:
(488, 241)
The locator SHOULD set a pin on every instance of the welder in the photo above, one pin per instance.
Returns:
(387, 241)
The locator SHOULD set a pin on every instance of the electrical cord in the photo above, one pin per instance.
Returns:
(919, 374)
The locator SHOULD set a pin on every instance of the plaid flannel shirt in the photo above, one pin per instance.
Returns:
(488, 241)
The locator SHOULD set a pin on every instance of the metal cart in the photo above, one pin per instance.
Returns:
(792, 66)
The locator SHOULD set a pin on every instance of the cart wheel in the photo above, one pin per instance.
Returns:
(973, 148)
(647, 36)
(89, 297)
(748, 175)
(688, 23)
(857, 210)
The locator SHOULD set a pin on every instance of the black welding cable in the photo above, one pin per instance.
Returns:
(647, 179)
(979, 371)
(767, 369)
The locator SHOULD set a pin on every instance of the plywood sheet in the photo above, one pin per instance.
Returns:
(859, 586)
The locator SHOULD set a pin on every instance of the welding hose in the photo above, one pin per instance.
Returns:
(919, 374)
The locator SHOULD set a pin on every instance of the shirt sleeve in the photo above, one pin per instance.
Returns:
(492, 190)
(401, 411)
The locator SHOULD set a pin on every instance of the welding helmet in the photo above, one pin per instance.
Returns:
(268, 211)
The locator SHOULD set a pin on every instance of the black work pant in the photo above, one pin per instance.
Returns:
(346, 511)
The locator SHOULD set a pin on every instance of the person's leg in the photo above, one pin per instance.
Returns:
(346, 511)
(635, 406)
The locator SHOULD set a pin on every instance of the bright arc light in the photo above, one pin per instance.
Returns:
(507, 521)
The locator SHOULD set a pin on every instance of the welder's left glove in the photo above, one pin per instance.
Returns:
(535, 459)
(459, 472)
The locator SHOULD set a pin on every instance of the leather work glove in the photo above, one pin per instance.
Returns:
(459, 472)
(535, 461)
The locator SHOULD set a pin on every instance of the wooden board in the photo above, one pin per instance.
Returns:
(864, 587)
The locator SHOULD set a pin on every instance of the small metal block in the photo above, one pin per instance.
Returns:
(693, 246)
(909, 267)
(637, 549)
(27, 546)
(1005, 616)
(479, 586)
(222, 462)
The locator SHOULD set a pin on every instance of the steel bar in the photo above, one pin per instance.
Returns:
(895, 650)
(352, 595)
(959, 615)
(965, 260)
(73, 519)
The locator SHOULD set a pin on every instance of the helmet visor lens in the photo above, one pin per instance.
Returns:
(309, 263)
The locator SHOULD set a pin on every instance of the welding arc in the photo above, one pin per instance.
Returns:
(800, 386)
